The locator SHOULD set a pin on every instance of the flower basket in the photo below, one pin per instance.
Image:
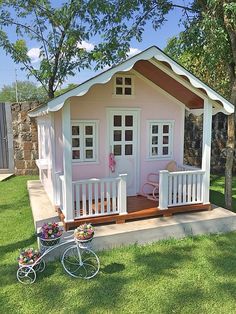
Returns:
(84, 234)
(28, 257)
(50, 242)
(50, 234)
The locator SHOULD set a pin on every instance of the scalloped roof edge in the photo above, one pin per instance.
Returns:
(104, 77)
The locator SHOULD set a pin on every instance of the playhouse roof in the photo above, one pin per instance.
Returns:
(157, 67)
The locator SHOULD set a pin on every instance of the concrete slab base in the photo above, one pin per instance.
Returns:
(42, 208)
(5, 176)
(219, 220)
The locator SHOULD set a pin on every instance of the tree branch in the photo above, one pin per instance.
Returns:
(2, 20)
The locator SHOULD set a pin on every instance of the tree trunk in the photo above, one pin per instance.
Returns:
(230, 152)
(50, 89)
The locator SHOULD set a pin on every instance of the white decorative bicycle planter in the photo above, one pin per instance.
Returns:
(78, 261)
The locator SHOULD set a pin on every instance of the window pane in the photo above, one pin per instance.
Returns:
(154, 140)
(119, 81)
(165, 150)
(119, 90)
(75, 142)
(117, 135)
(155, 129)
(89, 142)
(128, 81)
(117, 150)
(75, 130)
(165, 140)
(154, 151)
(76, 154)
(129, 135)
(89, 130)
(129, 149)
(117, 120)
(165, 128)
(89, 153)
(128, 120)
(128, 91)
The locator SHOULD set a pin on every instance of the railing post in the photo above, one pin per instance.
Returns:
(206, 150)
(68, 204)
(163, 189)
(122, 195)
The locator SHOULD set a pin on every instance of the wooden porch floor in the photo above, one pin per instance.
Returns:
(138, 207)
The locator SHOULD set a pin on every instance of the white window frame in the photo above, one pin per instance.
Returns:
(123, 86)
(82, 124)
(160, 135)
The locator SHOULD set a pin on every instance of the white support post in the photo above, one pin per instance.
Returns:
(163, 189)
(206, 149)
(67, 163)
(122, 194)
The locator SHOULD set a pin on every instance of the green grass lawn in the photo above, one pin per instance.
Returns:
(217, 191)
(194, 275)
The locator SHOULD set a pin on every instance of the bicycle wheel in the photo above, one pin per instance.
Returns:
(40, 266)
(87, 267)
(26, 275)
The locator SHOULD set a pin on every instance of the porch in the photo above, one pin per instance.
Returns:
(102, 201)
(218, 220)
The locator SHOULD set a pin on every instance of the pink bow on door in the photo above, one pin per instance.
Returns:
(112, 162)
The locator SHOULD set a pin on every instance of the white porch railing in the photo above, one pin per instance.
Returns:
(180, 188)
(96, 197)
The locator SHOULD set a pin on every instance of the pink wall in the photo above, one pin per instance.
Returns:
(153, 105)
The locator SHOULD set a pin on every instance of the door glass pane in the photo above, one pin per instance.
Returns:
(129, 135)
(165, 150)
(117, 121)
(117, 150)
(128, 91)
(117, 135)
(155, 140)
(119, 90)
(89, 130)
(76, 154)
(88, 142)
(75, 130)
(128, 120)
(165, 128)
(155, 129)
(75, 142)
(165, 140)
(129, 149)
(119, 81)
(154, 151)
(89, 153)
(128, 81)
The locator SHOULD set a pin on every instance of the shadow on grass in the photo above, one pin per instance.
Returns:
(8, 248)
(218, 198)
(163, 263)
(112, 268)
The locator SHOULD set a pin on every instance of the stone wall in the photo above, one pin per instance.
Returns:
(193, 142)
(25, 139)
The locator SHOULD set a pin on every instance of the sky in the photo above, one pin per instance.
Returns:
(9, 71)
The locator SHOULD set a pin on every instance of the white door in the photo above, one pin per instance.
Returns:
(123, 143)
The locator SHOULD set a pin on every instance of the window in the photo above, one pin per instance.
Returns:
(84, 141)
(160, 139)
(123, 85)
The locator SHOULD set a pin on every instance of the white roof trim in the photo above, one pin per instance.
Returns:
(152, 52)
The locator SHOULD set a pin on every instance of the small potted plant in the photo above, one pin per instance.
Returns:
(50, 234)
(84, 232)
(28, 257)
